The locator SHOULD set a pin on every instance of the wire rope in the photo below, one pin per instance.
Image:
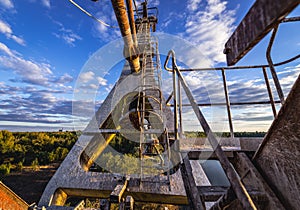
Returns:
(90, 15)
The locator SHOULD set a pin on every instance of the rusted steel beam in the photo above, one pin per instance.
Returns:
(131, 20)
(130, 50)
(10, 200)
(260, 19)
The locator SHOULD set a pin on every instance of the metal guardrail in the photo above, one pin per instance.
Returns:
(178, 81)
(271, 66)
(233, 178)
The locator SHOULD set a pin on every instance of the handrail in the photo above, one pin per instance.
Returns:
(241, 67)
(263, 67)
(237, 186)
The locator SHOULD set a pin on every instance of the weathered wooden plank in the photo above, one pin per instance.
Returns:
(260, 19)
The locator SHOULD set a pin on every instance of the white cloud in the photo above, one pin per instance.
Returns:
(71, 38)
(106, 34)
(46, 3)
(66, 78)
(7, 31)
(7, 4)
(29, 71)
(193, 4)
(5, 49)
(209, 28)
(19, 40)
(5, 28)
(66, 34)
(86, 76)
(153, 3)
(102, 81)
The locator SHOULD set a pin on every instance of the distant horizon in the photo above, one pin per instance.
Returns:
(17, 128)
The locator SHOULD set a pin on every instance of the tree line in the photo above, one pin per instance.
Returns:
(19, 149)
(199, 134)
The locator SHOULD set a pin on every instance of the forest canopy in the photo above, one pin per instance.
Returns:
(18, 149)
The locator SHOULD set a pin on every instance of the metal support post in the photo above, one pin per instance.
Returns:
(227, 103)
(272, 68)
(269, 91)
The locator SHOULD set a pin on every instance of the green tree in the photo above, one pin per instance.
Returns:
(5, 169)
(6, 141)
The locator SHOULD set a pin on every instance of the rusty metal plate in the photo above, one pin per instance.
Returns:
(259, 20)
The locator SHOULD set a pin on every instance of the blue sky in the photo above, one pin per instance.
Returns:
(44, 45)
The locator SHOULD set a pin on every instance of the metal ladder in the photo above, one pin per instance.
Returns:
(153, 134)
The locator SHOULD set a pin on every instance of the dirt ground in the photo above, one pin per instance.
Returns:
(30, 184)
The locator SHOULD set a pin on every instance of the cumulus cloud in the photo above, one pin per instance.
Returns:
(8, 4)
(7, 31)
(86, 77)
(66, 78)
(102, 81)
(30, 71)
(37, 107)
(33, 104)
(209, 27)
(193, 4)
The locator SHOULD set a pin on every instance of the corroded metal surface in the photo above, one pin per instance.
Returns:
(253, 179)
(9, 200)
(278, 157)
(131, 52)
(260, 19)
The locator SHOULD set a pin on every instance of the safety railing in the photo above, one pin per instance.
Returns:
(236, 184)
(228, 103)
(271, 66)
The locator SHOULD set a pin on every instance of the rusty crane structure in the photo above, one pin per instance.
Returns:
(263, 174)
